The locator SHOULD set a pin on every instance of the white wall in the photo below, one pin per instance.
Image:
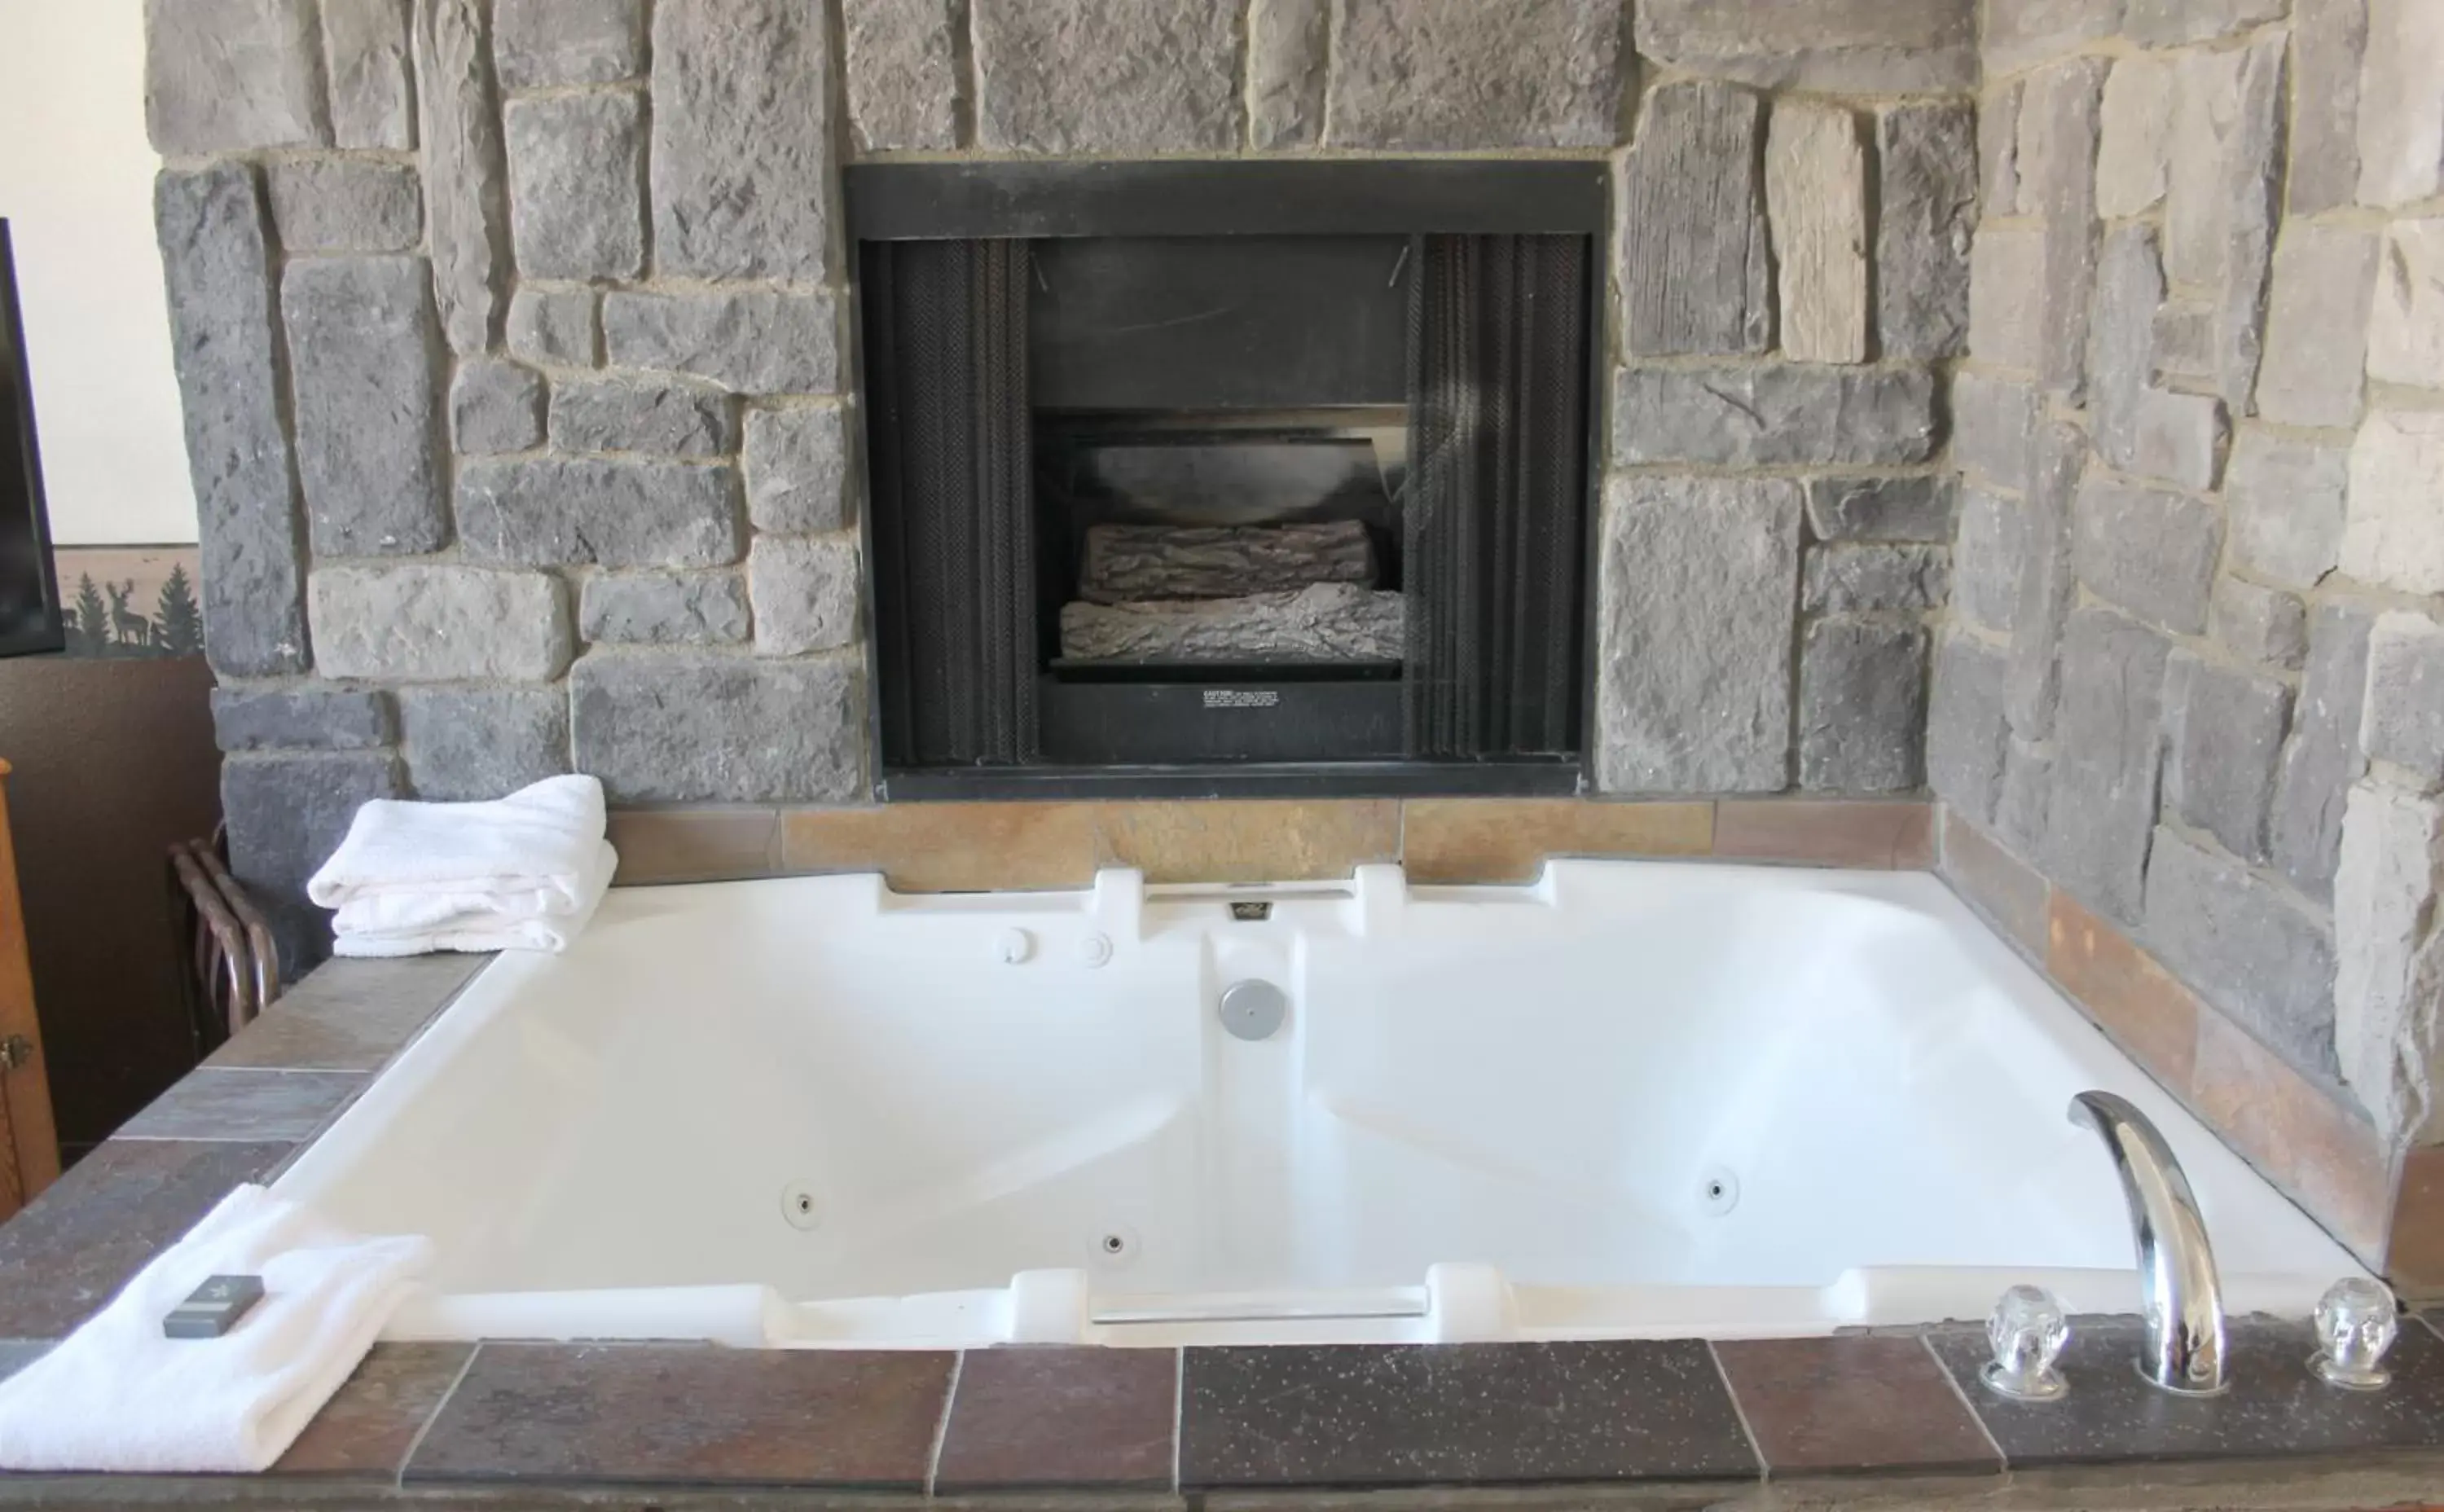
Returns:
(76, 185)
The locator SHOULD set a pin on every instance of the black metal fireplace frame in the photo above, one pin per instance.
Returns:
(928, 201)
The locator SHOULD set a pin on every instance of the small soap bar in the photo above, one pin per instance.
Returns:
(214, 1308)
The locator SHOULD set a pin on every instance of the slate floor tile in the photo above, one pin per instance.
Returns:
(1358, 1415)
(368, 1427)
(1061, 1418)
(1852, 1403)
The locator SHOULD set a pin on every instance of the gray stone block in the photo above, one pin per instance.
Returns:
(2135, 128)
(544, 44)
(2005, 327)
(1986, 561)
(1902, 508)
(1994, 429)
(2179, 438)
(1861, 707)
(2029, 32)
(464, 744)
(1289, 62)
(2285, 499)
(2404, 719)
(2171, 23)
(805, 590)
(2025, 801)
(2385, 981)
(345, 205)
(742, 152)
(665, 608)
(556, 511)
(577, 171)
(1424, 75)
(365, 54)
(2151, 552)
(1107, 76)
(1696, 261)
(287, 813)
(2406, 333)
(2317, 327)
(365, 357)
(1856, 46)
(1816, 205)
(2109, 739)
(669, 417)
(752, 341)
(2247, 948)
(1800, 414)
(2057, 131)
(1866, 578)
(2262, 624)
(2048, 583)
(555, 327)
(903, 76)
(231, 76)
(2402, 116)
(2328, 39)
(2229, 192)
(2184, 341)
(1926, 158)
(435, 622)
(700, 728)
(2323, 758)
(1964, 726)
(224, 341)
(2129, 287)
(248, 719)
(466, 209)
(495, 407)
(2392, 534)
(1998, 151)
(1698, 595)
(797, 469)
(2226, 728)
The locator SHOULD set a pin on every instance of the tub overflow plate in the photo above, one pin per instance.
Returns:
(1253, 1009)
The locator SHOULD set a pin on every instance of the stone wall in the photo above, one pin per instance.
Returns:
(2193, 669)
(511, 333)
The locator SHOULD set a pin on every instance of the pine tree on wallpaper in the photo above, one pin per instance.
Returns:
(178, 623)
(92, 619)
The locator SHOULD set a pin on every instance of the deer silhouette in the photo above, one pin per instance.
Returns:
(127, 627)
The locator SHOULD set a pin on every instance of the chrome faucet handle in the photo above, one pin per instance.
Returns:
(2355, 1324)
(2026, 1331)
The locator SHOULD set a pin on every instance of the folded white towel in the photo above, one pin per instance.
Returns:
(118, 1395)
(521, 872)
(390, 924)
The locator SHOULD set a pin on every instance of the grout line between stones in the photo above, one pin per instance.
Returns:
(1926, 1341)
(942, 1428)
(1739, 1410)
(399, 1477)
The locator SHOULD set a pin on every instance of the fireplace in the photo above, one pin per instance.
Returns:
(1228, 476)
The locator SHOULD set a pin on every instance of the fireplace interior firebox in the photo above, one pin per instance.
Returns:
(1227, 477)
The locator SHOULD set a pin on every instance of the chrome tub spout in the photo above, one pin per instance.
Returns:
(2177, 1270)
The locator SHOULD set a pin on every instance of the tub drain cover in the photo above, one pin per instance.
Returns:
(1253, 1009)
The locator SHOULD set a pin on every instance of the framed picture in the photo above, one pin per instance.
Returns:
(30, 594)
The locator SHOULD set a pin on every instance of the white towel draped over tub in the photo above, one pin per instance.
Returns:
(520, 873)
(118, 1395)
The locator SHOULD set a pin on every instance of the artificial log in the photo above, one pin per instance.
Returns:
(1132, 563)
(1326, 622)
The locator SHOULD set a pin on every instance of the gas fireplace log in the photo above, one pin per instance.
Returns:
(1131, 564)
(1332, 621)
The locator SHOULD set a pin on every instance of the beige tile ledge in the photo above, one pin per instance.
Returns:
(1021, 846)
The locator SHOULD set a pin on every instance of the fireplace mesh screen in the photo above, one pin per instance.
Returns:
(953, 534)
(1497, 467)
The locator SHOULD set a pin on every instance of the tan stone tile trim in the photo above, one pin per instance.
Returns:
(2306, 1140)
(980, 847)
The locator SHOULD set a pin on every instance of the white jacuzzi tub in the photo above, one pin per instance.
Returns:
(1633, 1099)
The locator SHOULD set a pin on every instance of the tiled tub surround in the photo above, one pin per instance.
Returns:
(1894, 1420)
(2190, 694)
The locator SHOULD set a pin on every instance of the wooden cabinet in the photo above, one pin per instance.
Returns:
(29, 1150)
